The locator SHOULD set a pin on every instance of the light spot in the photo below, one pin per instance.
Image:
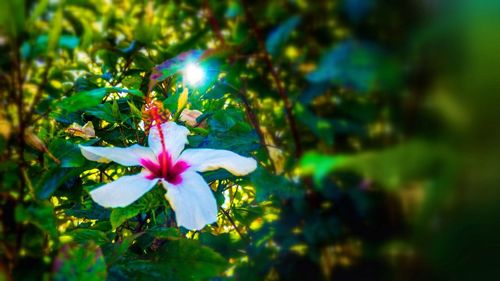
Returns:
(193, 74)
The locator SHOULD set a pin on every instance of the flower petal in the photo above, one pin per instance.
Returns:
(126, 156)
(192, 200)
(123, 191)
(175, 137)
(212, 159)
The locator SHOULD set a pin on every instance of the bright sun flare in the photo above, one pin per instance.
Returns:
(193, 74)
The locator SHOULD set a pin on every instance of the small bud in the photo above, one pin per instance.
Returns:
(189, 117)
(34, 141)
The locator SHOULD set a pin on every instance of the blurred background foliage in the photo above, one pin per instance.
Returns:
(374, 124)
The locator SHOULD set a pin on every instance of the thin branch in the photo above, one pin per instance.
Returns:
(242, 94)
(18, 87)
(232, 223)
(274, 74)
(120, 78)
(213, 22)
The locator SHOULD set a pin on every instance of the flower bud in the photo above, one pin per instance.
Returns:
(189, 117)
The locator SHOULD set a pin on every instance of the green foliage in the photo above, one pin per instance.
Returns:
(278, 37)
(53, 179)
(268, 184)
(188, 260)
(68, 153)
(80, 262)
(384, 167)
(82, 236)
(40, 215)
(12, 17)
(121, 215)
(335, 101)
(358, 65)
(87, 99)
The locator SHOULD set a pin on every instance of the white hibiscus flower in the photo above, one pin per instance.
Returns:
(177, 170)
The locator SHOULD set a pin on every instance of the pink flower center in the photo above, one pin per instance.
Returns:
(165, 168)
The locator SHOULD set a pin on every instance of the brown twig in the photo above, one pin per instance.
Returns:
(242, 94)
(22, 143)
(232, 223)
(213, 22)
(120, 78)
(274, 74)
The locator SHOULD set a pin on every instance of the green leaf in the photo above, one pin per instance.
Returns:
(53, 179)
(120, 215)
(162, 232)
(134, 110)
(83, 84)
(222, 243)
(278, 36)
(91, 211)
(87, 99)
(188, 260)
(83, 235)
(67, 152)
(229, 130)
(267, 184)
(83, 100)
(103, 111)
(115, 110)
